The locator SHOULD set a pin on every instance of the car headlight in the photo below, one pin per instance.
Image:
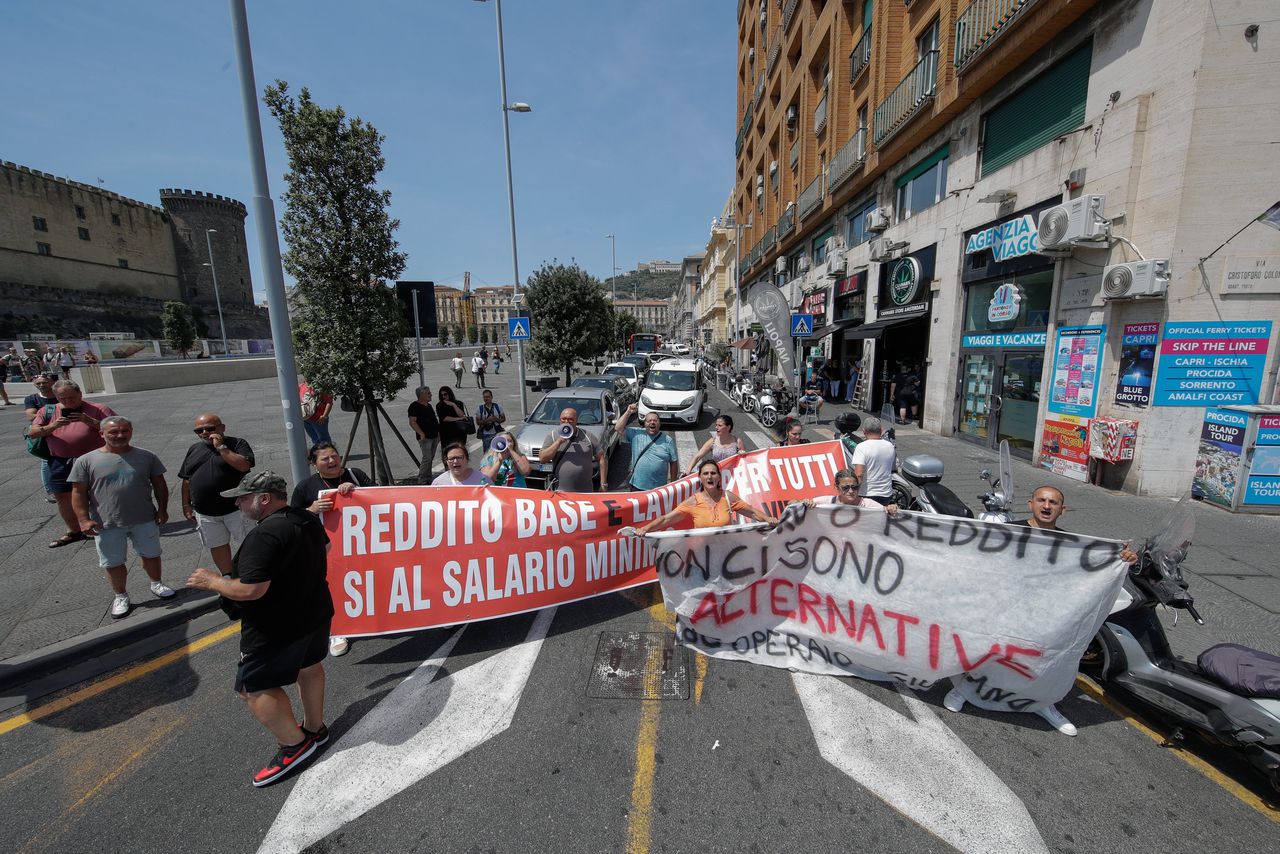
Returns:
(688, 401)
(644, 398)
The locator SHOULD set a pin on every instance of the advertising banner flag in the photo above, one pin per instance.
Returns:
(1007, 610)
(774, 316)
(1137, 363)
(415, 557)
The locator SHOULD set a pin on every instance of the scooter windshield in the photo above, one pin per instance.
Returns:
(887, 420)
(1167, 549)
(1006, 474)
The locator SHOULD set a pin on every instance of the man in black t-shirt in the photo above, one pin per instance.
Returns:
(426, 426)
(278, 581)
(214, 463)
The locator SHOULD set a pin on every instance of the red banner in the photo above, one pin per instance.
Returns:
(404, 558)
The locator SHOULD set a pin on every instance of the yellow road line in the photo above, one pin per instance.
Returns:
(700, 673)
(121, 678)
(640, 817)
(1231, 786)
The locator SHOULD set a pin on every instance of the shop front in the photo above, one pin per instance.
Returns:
(1008, 291)
(902, 322)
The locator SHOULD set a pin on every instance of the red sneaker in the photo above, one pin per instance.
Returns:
(286, 760)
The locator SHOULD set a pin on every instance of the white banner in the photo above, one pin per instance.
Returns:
(839, 590)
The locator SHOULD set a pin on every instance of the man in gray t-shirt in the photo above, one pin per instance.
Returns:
(112, 491)
(573, 459)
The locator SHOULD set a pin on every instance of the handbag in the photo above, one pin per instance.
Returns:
(468, 424)
(38, 446)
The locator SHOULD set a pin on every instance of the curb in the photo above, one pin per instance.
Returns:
(66, 653)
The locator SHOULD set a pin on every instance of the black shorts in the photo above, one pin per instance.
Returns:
(277, 666)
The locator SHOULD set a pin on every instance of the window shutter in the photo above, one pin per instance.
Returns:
(1041, 111)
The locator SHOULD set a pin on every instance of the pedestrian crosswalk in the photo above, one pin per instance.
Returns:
(758, 440)
(687, 444)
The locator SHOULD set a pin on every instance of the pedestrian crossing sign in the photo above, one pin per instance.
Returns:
(518, 328)
(801, 325)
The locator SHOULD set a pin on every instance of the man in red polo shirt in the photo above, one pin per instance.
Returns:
(72, 430)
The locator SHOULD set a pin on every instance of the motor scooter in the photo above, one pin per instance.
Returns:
(1229, 696)
(997, 501)
(774, 401)
(916, 478)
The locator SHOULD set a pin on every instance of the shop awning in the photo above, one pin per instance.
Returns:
(744, 344)
(824, 331)
(873, 330)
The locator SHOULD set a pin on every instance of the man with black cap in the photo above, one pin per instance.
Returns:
(278, 585)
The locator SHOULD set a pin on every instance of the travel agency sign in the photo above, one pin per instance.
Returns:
(1009, 239)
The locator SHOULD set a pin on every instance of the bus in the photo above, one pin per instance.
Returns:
(644, 342)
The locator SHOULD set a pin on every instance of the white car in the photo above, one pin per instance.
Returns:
(674, 390)
(626, 370)
(679, 349)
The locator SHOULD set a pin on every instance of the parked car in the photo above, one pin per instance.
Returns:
(674, 389)
(597, 413)
(679, 349)
(626, 370)
(624, 393)
(655, 358)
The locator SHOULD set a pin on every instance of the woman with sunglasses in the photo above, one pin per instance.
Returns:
(847, 484)
(711, 506)
(721, 446)
(449, 412)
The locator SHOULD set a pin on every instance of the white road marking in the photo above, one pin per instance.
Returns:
(758, 440)
(417, 729)
(919, 767)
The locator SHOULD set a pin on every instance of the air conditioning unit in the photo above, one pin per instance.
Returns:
(882, 249)
(1078, 219)
(876, 220)
(793, 116)
(780, 266)
(836, 264)
(1136, 279)
(802, 266)
(832, 245)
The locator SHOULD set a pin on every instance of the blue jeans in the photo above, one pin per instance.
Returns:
(317, 431)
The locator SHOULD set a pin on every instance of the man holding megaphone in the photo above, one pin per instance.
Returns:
(572, 455)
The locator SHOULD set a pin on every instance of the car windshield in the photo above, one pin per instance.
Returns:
(594, 382)
(671, 380)
(638, 361)
(548, 411)
(626, 371)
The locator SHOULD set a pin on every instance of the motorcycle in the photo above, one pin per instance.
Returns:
(775, 401)
(1230, 696)
(997, 501)
(904, 493)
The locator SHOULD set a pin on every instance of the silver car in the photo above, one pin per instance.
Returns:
(597, 413)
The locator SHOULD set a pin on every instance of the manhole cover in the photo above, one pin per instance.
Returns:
(639, 666)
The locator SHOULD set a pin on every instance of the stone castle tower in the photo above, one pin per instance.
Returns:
(192, 213)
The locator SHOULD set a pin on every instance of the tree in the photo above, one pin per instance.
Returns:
(571, 317)
(625, 325)
(348, 329)
(718, 351)
(179, 330)
(458, 338)
(473, 334)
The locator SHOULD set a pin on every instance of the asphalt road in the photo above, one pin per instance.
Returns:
(492, 737)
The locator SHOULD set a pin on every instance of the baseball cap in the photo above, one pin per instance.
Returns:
(259, 481)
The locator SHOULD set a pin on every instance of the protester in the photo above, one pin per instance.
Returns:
(42, 399)
(873, 463)
(478, 366)
(215, 463)
(71, 429)
(489, 418)
(721, 446)
(457, 366)
(847, 484)
(112, 496)
(1047, 504)
(450, 412)
(330, 474)
(904, 390)
(654, 459)
(66, 360)
(573, 458)
(278, 584)
(319, 405)
(507, 467)
(810, 401)
(710, 507)
(794, 434)
(426, 426)
(458, 470)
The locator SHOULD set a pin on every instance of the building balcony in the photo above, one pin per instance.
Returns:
(848, 160)
(820, 116)
(742, 132)
(786, 222)
(982, 24)
(811, 197)
(915, 90)
(767, 242)
(774, 52)
(788, 12)
(860, 58)
(759, 93)
(795, 155)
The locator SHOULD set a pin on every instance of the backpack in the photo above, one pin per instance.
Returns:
(38, 446)
(310, 403)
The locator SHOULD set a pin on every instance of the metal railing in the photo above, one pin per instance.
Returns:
(860, 58)
(795, 154)
(755, 101)
(788, 13)
(770, 238)
(981, 25)
(773, 56)
(742, 132)
(907, 98)
(786, 222)
(811, 197)
(848, 159)
(820, 115)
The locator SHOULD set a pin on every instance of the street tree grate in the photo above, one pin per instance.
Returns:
(639, 666)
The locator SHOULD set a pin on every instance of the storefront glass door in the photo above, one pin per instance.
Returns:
(977, 376)
(999, 399)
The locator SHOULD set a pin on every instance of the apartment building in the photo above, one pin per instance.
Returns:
(653, 314)
(973, 187)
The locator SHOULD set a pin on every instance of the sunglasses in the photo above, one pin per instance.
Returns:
(199, 430)
(848, 487)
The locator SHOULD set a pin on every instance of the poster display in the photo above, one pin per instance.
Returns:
(1137, 363)
(1212, 363)
(121, 350)
(1218, 457)
(404, 558)
(1263, 486)
(1004, 611)
(1076, 357)
(1064, 447)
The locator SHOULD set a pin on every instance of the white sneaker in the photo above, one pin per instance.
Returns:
(120, 605)
(338, 645)
(954, 701)
(161, 589)
(1057, 720)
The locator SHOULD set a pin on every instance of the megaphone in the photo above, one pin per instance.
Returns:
(499, 444)
(567, 431)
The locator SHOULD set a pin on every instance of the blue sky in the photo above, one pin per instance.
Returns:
(632, 130)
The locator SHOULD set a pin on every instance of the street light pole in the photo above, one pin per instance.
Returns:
(613, 271)
(222, 327)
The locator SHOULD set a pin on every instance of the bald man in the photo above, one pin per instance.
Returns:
(572, 457)
(1047, 504)
(215, 463)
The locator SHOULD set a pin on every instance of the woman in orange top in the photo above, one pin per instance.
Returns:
(710, 506)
